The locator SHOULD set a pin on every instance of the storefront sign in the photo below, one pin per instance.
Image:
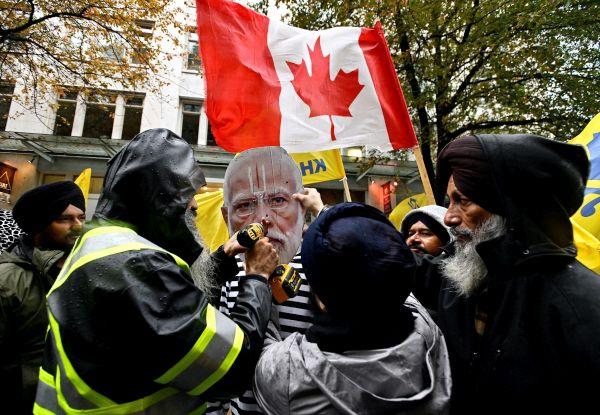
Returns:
(7, 174)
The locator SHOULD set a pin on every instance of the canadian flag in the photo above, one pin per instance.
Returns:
(269, 83)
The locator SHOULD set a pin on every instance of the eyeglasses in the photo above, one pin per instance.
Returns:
(248, 205)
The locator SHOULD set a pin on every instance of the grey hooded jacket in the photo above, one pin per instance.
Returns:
(295, 377)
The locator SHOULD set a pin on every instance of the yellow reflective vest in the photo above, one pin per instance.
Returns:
(103, 273)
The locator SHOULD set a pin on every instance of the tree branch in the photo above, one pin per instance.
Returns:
(4, 33)
(486, 125)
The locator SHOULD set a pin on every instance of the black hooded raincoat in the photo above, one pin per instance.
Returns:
(130, 333)
(540, 350)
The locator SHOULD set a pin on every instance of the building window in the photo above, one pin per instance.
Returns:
(193, 56)
(190, 124)
(145, 30)
(65, 114)
(194, 125)
(210, 138)
(99, 116)
(117, 116)
(6, 93)
(133, 116)
(146, 26)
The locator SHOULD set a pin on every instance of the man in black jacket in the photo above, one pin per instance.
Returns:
(53, 217)
(130, 333)
(520, 314)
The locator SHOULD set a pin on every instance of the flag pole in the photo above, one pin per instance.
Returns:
(424, 176)
(346, 189)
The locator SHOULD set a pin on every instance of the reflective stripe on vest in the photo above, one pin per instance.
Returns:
(46, 401)
(207, 362)
(210, 358)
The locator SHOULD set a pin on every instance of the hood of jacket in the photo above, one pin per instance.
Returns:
(148, 185)
(411, 377)
(541, 183)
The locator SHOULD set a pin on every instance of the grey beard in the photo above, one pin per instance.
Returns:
(203, 268)
(465, 269)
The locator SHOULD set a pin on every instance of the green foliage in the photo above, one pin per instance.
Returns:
(481, 66)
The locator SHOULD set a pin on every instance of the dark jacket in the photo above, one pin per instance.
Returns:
(540, 350)
(26, 275)
(128, 318)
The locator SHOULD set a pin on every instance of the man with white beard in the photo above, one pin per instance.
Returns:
(520, 314)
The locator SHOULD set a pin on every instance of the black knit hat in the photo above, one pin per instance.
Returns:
(351, 255)
(38, 207)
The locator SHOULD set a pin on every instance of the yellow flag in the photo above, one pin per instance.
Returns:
(588, 215)
(209, 220)
(408, 204)
(320, 166)
(588, 247)
(83, 181)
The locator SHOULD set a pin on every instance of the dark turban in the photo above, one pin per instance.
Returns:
(39, 207)
(465, 160)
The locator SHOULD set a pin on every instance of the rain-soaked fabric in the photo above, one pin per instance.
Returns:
(131, 316)
(26, 275)
(295, 377)
(148, 185)
(158, 345)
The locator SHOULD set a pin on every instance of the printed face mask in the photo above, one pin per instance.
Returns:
(259, 184)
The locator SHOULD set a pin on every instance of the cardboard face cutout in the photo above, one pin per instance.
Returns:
(259, 184)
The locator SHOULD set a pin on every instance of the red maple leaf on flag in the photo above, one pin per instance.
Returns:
(323, 95)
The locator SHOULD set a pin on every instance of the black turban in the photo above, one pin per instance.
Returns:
(39, 207)
(465, 160)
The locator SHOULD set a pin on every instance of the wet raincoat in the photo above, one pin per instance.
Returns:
(130, 333)
(540, 350)
(295, 377)
(26, 275)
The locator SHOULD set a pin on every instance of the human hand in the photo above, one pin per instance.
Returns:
(232, 247)
(262, 259)
(310, 199)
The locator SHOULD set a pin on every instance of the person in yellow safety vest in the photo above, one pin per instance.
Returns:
(130, 332)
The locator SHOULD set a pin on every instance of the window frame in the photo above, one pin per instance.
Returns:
(118, 100)
(192, 37)
(7, 95)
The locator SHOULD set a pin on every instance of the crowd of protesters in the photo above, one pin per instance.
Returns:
(476, 307)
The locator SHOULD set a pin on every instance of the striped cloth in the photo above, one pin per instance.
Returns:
(295, 315)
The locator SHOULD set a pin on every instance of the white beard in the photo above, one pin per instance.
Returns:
(291, 240)
(203, 268)
(465, 269)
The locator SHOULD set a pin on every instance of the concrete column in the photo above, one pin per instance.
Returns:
(117, 131)
(79, 119)
(203, 130)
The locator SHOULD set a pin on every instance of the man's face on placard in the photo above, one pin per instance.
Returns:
(259, 184)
